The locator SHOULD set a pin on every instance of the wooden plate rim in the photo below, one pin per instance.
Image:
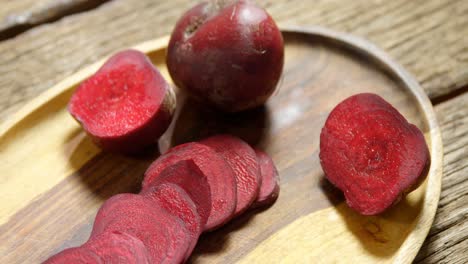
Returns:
(415, 239)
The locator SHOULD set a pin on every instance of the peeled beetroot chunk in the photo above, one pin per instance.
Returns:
(177, 202)
(163, 234)
(116, 247)
(218, 173)
(370, 152)
(269, 190)
(226, 53)
(242, 159)
(126, 105)
(76, 255)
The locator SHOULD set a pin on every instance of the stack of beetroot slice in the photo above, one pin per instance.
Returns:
(194, 187)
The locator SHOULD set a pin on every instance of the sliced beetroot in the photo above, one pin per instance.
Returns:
(117, 247)
(164, 235)
(242, 159)
(219, 174)
(177, 202)
(269, 190)
(126, 105)
(76, 255)
(187, 175)
(371, 152)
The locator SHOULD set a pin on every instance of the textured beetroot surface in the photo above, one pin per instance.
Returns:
(228, 53)
(126, 105)
(219, 174)
(370, 152)
(269, 190)
(187, 175)
(164, 235)
(77, 255)
(177, 202)
(242, 159)
(117, 247)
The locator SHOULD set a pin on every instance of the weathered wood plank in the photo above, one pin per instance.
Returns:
(19, 16)
(448, 238)
(427, 37)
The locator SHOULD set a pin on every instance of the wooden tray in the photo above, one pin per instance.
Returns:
(54, 179)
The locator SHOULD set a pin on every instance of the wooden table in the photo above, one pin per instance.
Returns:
(42, 42)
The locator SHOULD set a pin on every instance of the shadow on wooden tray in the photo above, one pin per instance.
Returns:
(196, 122)
(380, 235)
(107, 174)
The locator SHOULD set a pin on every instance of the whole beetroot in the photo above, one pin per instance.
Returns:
(226, 53)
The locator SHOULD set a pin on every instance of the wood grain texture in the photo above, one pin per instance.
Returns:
(448, 239)
(427, 37)
(19, 16)
(62, 198)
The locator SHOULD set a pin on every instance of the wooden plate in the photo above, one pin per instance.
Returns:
(54, 179)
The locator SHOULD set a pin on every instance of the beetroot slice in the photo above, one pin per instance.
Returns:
(242, 159)
(370, 152)
(269, 190)
(177, 202)
(117, 247)
(187, 175)
(126, 105)
(164, 235)
(220, 176)
(76, 255)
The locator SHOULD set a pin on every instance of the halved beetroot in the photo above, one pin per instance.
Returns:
(188, 176)
(177, 202)
(269, 190)
(163, 234)
(126, 105)
(119, 247)
(76, 255)
(371, 152)
(242, 159)
(218, 173)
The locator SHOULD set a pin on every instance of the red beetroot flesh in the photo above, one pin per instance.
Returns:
(229, 53)
(370, 152)
(116, 247)
(163, 234)
(126, 105)
(219, 174)
(77, 255)
(242, 159)
(177, 202)
(269, 190)
(187, 175)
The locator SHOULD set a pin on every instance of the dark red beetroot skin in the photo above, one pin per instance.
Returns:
(269, 190)
(242, 159)
(229, 53)
(164, 235)
(126, 105)
(76, 255)
(177, 202)
(219, 174)
(370, 152)
(117, 247)
(187, 175)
